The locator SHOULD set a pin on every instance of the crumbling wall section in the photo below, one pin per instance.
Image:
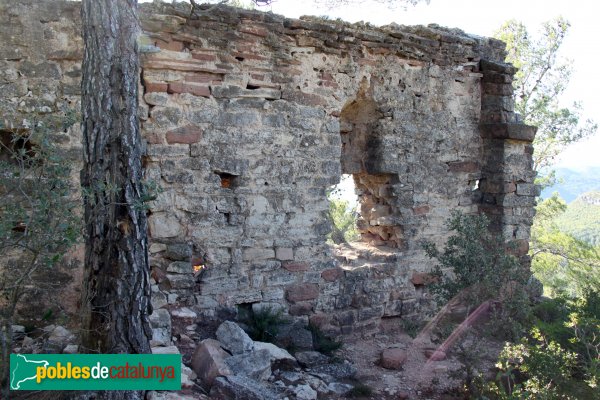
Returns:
(250, 117)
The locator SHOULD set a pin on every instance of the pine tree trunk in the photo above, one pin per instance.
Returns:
(116, 280)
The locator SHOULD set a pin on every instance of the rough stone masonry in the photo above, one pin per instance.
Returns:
(250, 117)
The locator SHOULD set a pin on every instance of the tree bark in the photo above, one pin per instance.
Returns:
(116, 280)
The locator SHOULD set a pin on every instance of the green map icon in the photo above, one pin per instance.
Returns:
(23, 369)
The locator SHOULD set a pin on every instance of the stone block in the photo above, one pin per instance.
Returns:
(185, 135)
(163, 225)
(233, 338)
(302, 292)
(208, 362)
(296, 266)
(255, 364)
(284, 253)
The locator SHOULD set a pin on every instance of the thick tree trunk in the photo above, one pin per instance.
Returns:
(116, 282)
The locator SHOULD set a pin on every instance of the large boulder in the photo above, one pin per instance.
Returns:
(240, 388)
(280, 358)
(255, 364)
(208, 362)
(233, 338)
(311, 358)
(295, 335)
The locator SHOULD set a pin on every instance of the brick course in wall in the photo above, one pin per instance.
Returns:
(250, 117)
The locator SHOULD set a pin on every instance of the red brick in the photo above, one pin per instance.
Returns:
(256, 31)
(333, 274)
(155, 86)
(203, 77)
(172, 45)
(302, 292)
(204, 57)
(186, 135)
(196, 90)
(296, 266)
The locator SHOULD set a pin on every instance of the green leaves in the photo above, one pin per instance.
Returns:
(541, 80)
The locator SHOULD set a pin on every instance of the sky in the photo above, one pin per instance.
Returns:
(482, 18)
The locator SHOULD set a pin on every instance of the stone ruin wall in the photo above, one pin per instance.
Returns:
(250, 117)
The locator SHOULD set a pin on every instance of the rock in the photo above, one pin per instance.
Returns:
(279, 357)
(187, 377)
(208, 362)
(305, 392)
(153, 395)
(434, 354)
(165, 350)
(343, 370)
(240, 388)
(393, 358)
(160, 322)
(18, 332)
(158, 299)
(58, 339)
(179, 252)
(295, 335)
(233, 338)
(184, 313)
(255, 364)
(339, 388)
(71, 349)
(290, 376)
(311, 358)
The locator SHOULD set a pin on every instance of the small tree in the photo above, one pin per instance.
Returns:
(541, 80)
(38, 218)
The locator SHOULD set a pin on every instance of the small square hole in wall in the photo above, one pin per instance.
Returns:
(228, 181)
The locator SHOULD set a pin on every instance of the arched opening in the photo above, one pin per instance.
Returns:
(377, 215)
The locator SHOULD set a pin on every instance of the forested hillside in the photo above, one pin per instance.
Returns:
(582, 218)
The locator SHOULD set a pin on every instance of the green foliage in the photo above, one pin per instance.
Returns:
(474, 262)
(561, 262)
(343, 220)
(264, 324)
(541, 80)
(360, 390)
(39, 221)
(560, 359)
(322, 342)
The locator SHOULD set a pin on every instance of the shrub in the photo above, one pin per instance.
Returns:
(263, 324)
(476, 266)
(322, 342)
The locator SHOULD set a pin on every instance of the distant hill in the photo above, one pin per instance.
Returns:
(582, 218)
(574, 183)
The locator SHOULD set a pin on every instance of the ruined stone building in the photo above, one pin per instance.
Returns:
(249, 118)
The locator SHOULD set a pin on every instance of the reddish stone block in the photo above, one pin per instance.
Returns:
(393, 358)
(422, 210)
(302, 292)
(196, 90)
(296, 266)
(185, 135)
(254, 30)
(172, 45)
(204, 57)
(154, 138)
(203, 77)
(155, 86)
(422, 278)
(333, 274)
(302, 308)
(463, 166)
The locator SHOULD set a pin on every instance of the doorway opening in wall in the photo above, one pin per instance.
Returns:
(343, 211)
